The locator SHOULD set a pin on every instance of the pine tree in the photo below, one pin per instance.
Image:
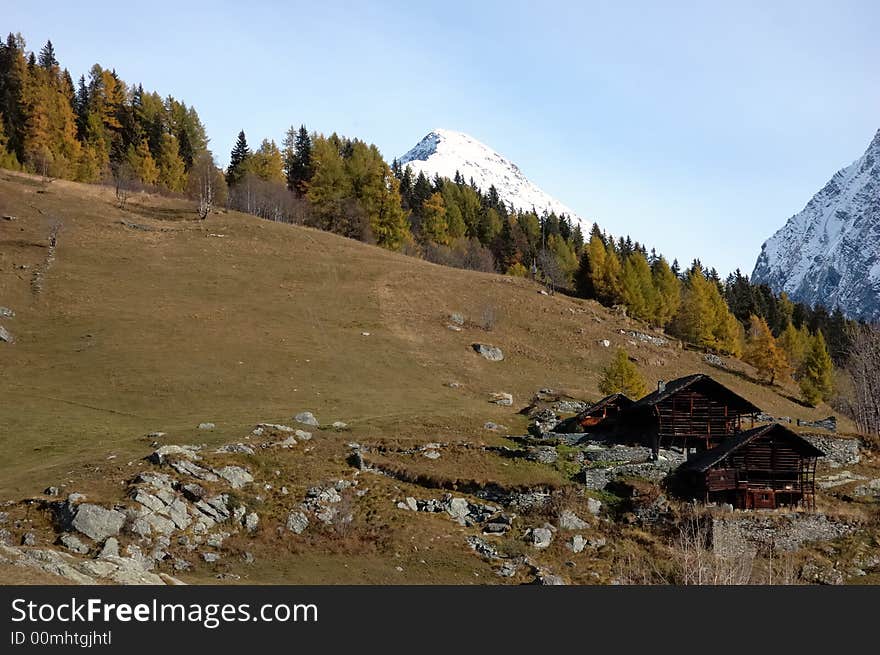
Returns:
(622, 376)
(815, 376)
(762, 351)
(238, 160)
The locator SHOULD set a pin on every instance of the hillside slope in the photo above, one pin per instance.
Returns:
(142, 320)
(147, 320)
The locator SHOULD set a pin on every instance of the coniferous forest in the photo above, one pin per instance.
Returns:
(98, 128)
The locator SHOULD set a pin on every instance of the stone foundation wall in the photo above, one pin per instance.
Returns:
(741, 532)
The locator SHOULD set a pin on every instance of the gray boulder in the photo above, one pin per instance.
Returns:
(306, 418)
(236, 476)
(206, 426)
(594, 506)
(577, 544)
(492, 353)
(541, 537)
(297, 522)
(97, 522)
(73, 543)
(458, 508)
(5, 335)
(502, 398)
(568, 520)
(110, 549)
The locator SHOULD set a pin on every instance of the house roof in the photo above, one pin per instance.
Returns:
(619, 398)
(704, 461)
(701, 379)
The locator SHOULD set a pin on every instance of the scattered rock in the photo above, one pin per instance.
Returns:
(495, 427)
(458, 508)
(454, 385)
(594, 506)
(236, 476)
(29, 539)
(210, 558)
(714, 360)
(251, 521)
(568, 520)
(431, 454)
(339, 426)
(159, 455)
(543, 454)
(605, 343)
(188, 468)
(97, 522)
(236, 448)
(297, 522)
(492, 353)
(577, 544)
(110, 549)
(206, 426)
(303, 435)
(73, 543)
(507, 570)
(548, 579)
(5, 312)
(5, 335)
(501, 398)
(306, 418)
(51, 491)
(483, 548)
(456, 319)
(541, 537)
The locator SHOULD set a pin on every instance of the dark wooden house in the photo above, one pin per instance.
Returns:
(695, 413)
(762, 468)
(600, 416)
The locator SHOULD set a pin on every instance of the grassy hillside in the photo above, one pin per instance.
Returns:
(148, 319)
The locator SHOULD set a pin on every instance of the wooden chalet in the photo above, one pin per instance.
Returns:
(762, 468)
(600, 416)
(695, 413)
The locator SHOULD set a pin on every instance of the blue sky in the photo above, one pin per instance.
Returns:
(696, 127)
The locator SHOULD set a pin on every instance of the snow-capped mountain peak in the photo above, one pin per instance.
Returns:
(829, 253)
(443, 152)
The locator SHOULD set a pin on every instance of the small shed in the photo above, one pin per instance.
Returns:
(694, 412)
(601, 415)
(763, 468)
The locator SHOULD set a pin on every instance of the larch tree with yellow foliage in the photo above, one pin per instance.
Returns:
(762, 351)
(622, 376)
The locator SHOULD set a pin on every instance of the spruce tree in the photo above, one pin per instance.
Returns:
(238, 160)
(47, 58)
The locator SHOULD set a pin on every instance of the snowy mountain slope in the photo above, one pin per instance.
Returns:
(442, 152)
(829, 253)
